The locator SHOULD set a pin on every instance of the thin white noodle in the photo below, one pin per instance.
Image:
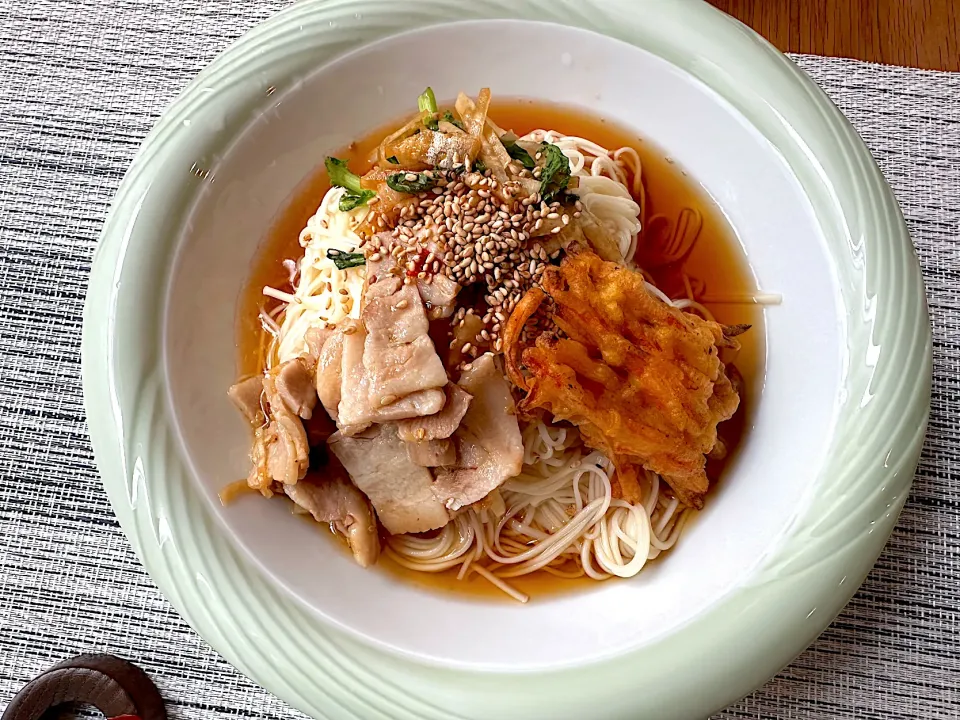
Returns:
(324, 295)
(654, 290)
(269, 324)
(511, 591)
(699, 309)
(751, 299)
(603, 187)
(279, 295)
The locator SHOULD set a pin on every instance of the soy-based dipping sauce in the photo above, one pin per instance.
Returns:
(686, 245)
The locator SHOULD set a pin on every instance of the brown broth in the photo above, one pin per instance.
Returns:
(715, 265)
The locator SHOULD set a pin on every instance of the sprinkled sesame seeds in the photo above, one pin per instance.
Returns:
(470, 229)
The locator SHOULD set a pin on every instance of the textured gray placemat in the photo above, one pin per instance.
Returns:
(81, 83)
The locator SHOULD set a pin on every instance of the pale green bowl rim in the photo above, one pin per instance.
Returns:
(721, 655)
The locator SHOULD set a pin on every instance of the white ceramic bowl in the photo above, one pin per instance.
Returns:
(342, 101)
(262, 119)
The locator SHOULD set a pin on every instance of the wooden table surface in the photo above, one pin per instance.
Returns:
(918, 33)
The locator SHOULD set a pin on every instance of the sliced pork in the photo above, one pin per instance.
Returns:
(246, 396)
(400, 490)
(329, 374)
(438, 292)
(439, 295)
(432, 453)
(383, 277)
(489, 444)
(285, 439)
(357, 411)
(389, 366)
(296, 387)
(398, 351)
(280, 451)
(334, 499)
(442, 424)
(319, 428)
(315, 338)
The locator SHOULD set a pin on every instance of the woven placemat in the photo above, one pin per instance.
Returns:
(81, 83)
